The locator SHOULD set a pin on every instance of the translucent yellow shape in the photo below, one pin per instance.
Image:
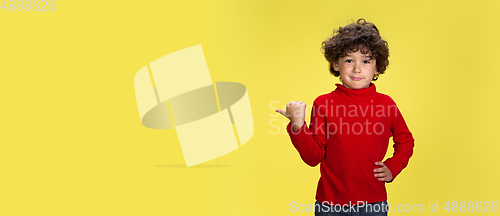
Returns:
(183, 82)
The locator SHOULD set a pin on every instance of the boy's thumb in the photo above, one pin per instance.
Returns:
(282, 112)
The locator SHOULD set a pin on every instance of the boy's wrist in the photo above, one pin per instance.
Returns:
(296, 120)
(295, 126)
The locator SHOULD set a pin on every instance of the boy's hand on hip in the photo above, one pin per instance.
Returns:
(383, 174)
(295, 112)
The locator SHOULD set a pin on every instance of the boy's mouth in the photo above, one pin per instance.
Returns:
(356, 78)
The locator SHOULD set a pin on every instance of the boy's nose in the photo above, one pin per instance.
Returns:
(357, 68)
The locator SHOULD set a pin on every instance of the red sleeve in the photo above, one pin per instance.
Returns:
(310, 142)
(403, 145)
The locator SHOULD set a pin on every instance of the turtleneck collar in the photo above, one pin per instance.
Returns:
(356, 93)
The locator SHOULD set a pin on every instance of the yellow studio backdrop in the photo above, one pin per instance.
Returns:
(72, 142)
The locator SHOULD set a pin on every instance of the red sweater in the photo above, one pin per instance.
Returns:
(349, 131)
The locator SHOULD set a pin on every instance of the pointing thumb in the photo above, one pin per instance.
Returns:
(282, 112)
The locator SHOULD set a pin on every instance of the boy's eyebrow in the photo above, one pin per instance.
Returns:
(366, 56)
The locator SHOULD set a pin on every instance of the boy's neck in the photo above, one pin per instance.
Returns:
(360, 88)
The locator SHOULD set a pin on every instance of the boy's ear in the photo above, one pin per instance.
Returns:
(335, 65)
(376, 70)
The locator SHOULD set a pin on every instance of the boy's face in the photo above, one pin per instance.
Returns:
(356, 69)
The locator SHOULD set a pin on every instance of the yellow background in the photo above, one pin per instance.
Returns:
(72, 142)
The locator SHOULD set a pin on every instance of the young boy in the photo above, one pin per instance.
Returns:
(350, 127)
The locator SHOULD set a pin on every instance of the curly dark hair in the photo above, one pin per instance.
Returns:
(361, 35)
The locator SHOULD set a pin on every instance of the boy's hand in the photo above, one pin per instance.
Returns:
(383, 174)
(295, 112)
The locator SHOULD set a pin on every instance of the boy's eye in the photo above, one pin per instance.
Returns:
(366, 61)
(348, 61)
